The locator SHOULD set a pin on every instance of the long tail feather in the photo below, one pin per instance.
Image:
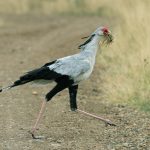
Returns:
(6, 88)
(16, 83)
(40, 73)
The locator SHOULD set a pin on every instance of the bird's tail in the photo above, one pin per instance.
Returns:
(5, 88)
(35, 74)
(16, 83)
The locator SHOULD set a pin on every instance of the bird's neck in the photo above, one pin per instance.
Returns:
(92, 46)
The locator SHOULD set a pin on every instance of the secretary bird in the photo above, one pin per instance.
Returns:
(68, 72)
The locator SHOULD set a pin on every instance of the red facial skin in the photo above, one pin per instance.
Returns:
(105, 31)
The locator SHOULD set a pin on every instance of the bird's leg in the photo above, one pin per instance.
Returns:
(73, 106)
(108, 122)
(43, 106)
(73, 94)
(53, 92)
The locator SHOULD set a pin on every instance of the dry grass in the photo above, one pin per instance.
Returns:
(49, 6)
(126, 77)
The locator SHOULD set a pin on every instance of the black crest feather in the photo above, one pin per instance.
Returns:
(87, 41)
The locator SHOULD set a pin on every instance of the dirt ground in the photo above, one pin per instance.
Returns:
(27, 42)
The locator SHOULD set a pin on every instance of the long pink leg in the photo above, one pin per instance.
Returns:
(108, 122)
(43, 106)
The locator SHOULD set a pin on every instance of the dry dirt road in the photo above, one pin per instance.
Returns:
(27, 42)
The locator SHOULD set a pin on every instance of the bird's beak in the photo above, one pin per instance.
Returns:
(108, 38)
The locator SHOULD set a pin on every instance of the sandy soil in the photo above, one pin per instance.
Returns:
(27, 42)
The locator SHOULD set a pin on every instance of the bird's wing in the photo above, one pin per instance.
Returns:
(40, 73)
(72, 66)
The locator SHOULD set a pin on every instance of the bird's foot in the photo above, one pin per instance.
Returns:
(108, 122)
(36, 137)
(32, 134)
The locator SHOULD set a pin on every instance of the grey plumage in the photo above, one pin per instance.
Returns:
(72, 66)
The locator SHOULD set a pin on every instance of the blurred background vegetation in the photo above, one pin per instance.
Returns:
(126, 78)
(54, 6)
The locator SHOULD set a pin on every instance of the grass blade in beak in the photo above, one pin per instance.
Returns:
(107, 39)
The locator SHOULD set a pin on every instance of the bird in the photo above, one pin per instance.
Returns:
(68, 72)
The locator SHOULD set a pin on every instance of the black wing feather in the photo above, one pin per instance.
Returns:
(43, 73)
(50, 63)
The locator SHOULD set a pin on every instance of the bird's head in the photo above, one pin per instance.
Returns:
(103, 33)
(106, 35)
